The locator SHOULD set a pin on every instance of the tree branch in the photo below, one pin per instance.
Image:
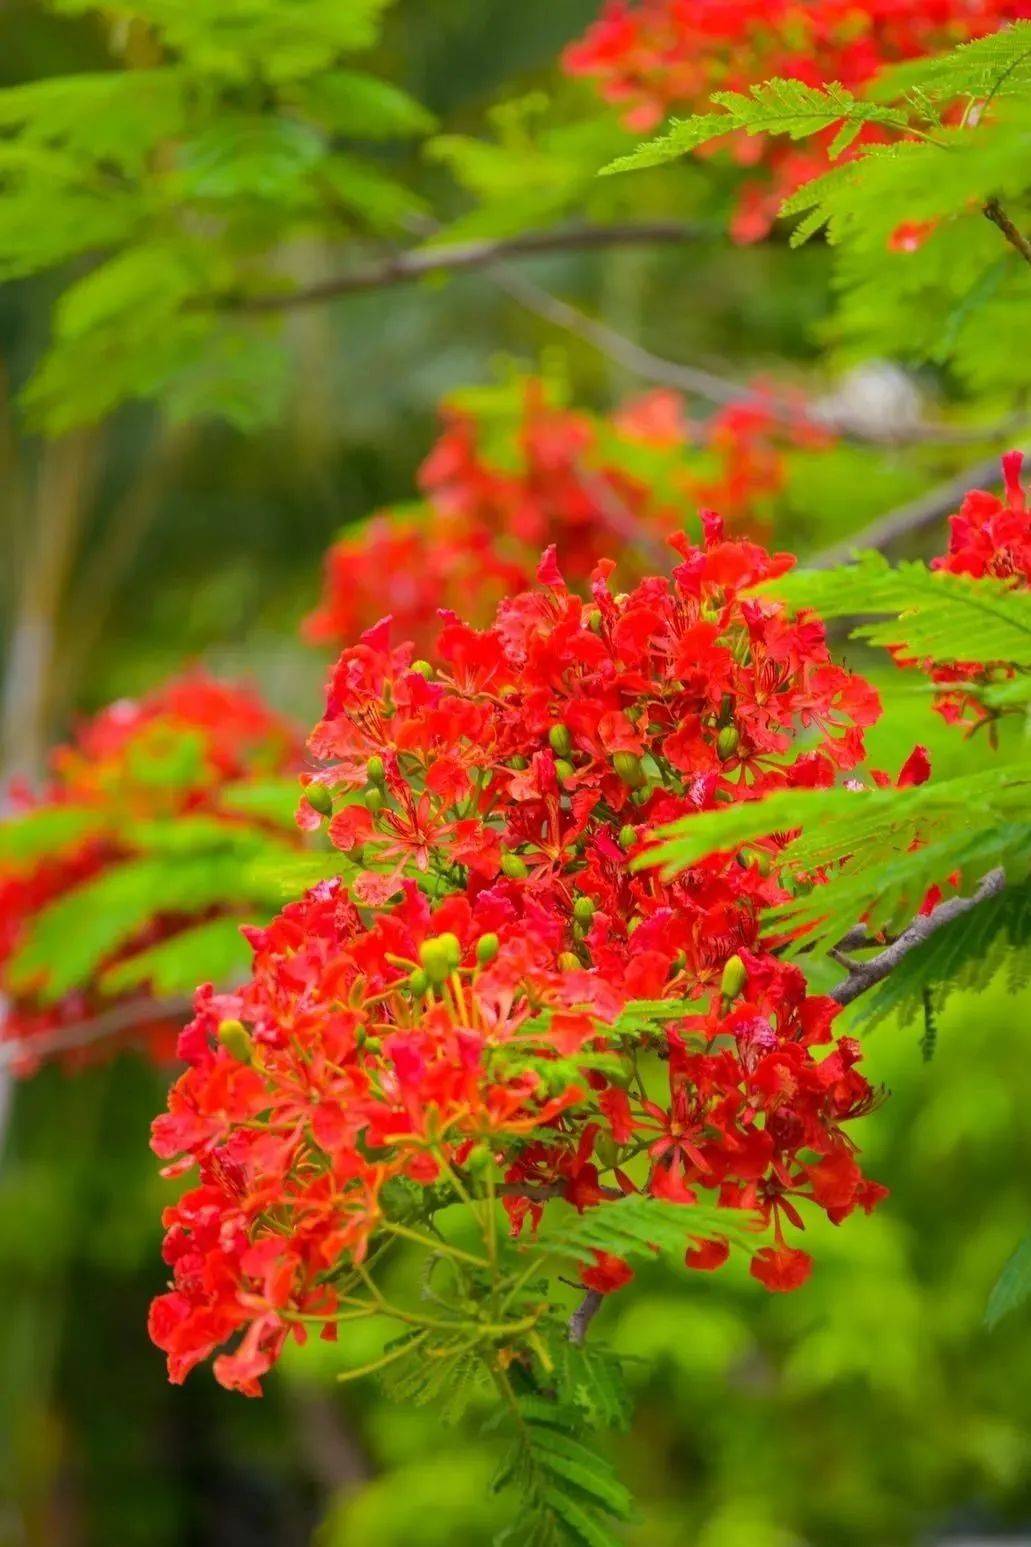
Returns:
(998, 217)
(584, 1314)
(865, 974)
(915, 515)
(78, 1034)
(406, 267)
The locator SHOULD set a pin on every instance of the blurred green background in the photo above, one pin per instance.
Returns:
(871, 1409)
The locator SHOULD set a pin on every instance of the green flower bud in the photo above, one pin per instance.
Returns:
(628, 767)
(594, 620)
(453, 947)
(518, 763)
(479, 1159)
(372, 800)
(436, 960)
(319, 799)
(487, 947)
(727, 741)
(375, 770)
(418, 982)
(236, 1039)
(734, 977)
(568, 961)
(564, 769)
(627, 836)
(560, 739)
(423, 668)
(583, 910)
(607, 1150)
(373, 1044)
(514, 867)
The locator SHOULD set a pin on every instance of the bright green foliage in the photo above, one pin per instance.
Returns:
(218, 134)
(950, 295)
(638, 1227)
(884, 847)
(938, 616)
(570, 1492)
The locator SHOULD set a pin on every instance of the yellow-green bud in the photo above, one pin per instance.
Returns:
(487, 947)
(436, 960)
(518, 763)
(418, 982)
(628, 767)
(453, 947)
(727, 741)
(627, 836)
(236, 1039)
(372, 800)
(735, 975)
(583, 910)
(560, 739)
(319, 799)
(564, 769)
(375, 770)
(514, 867)
(423, 668)
(568, 961)
(594, 620)
(479, 1159)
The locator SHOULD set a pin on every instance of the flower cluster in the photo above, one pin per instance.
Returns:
(166, 755)
(663, 55)
(585, 484)
(988, 536)
(456, 1017)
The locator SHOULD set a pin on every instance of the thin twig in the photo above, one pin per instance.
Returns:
(584, 1314)
(915, 515)
(78, 1034)
(1016, 238)
(865, 974)
(405, 268)
(721, 390)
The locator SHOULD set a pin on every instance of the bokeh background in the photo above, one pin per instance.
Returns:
(871, 1410)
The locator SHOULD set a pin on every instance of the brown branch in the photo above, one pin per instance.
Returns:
(582, 1317)
(915, 515)
(405, 268)
(120, 1017)
(722, 390)
(865, 974)
(1016, 238)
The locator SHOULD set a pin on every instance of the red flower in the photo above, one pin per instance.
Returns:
(781, 1268)
(607, 1274)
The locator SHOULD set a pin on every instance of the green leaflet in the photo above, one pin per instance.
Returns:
(37, 835)
(638, 1227)
(1013, 1285)
(570, 1493)
(212, 952)
(936, 616)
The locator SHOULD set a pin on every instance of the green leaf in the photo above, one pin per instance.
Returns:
(638, 1227)
(683, 135)
(1013, 1285)
(68, 941)
(263, 800)
(362, 106)
(212, 952)
(935, 615)
(46, 831)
